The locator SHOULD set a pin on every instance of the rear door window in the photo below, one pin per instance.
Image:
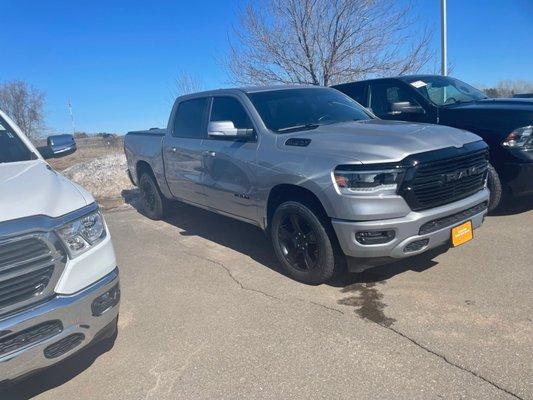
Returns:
(189, 121)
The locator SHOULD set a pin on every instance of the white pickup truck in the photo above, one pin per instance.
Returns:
(59, 281)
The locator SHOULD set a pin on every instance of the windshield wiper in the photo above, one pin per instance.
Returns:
(458, 102)
(298, 127)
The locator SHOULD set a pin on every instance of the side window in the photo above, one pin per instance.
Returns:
(358, 93)
(12, 148)
(189, 119)
(230, 109)
(384, 96)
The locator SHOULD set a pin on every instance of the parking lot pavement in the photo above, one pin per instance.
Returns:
(207, 314)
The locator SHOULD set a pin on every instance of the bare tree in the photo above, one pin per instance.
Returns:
(508, 88)
(187, 83)
(24, 104)
(323, 42)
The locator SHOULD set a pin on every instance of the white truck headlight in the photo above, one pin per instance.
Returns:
(356, 180)
(80, 235)
(520, 138)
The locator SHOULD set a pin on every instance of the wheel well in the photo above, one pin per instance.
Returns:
(287, 192)
(143, 166)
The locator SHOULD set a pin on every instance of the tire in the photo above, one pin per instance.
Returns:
(153, 203)
(495, 186)
(302, 243)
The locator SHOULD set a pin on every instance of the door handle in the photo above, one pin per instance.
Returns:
(209, 153)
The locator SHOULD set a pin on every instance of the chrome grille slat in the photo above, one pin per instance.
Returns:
(23, 280)
(11, 255)
(29, 268)
(38, 259)
(22, 270)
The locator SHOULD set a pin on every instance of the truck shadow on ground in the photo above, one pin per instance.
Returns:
(361, 289)
(513, 206)
(253, 242)
(58, 374)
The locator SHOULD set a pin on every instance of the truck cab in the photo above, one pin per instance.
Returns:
(59, 282)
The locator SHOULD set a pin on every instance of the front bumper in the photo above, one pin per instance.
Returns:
(406, 231)
(77, 319)
(519, 177)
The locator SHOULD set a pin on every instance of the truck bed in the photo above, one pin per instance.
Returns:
(144, 146)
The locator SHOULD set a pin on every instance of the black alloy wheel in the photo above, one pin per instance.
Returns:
(152, 200)
(298, 241)
(302, 243)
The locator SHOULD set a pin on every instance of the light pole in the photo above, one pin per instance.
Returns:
(71, 116)
(443, 40)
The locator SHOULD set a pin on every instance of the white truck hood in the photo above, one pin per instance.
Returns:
(33, 188)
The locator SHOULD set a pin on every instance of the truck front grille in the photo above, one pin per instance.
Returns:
(29, 266)
(443, 181)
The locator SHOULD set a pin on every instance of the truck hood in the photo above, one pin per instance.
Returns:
(497, 104)
(377, 141)
(33, 188)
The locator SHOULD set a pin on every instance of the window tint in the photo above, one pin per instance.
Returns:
(12, 148)
(383, 95)
(189, 120)
(289, 109)
(356, 92)
(230, 109)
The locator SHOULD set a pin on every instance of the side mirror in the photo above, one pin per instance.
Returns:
(226, 129)
(58, 146)
(405, 107)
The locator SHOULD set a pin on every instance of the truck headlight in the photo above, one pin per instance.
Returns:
(82, 234)
(356, 180)
(521, 138)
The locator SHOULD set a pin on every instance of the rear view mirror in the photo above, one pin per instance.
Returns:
(226, 129)
(58, 146)
(405, 107)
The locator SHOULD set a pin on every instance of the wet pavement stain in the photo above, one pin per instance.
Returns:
(368, 300)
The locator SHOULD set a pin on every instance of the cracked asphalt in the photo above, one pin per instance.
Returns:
(207, 314)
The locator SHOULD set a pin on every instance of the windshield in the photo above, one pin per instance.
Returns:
(290, 110)
(12, 149)
(443, 90)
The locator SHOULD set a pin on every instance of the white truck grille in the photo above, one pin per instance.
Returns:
(29, 268)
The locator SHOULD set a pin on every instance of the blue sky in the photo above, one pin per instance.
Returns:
(118, 60)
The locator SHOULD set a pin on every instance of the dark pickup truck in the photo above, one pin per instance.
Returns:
(505, 124)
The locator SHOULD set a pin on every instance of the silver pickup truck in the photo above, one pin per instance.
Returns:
(323, 176)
